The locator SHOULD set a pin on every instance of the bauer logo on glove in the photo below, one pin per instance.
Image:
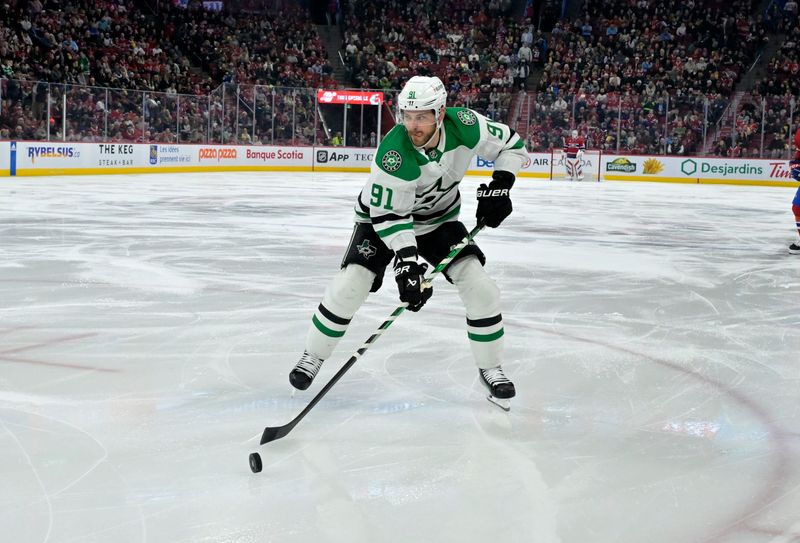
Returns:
(494, 199)
(485, 193)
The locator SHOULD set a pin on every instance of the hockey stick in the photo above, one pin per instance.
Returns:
(271, 433)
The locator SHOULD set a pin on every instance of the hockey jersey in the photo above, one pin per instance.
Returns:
(411, 192)
(797, 144)
(573, 145)
(796, 200)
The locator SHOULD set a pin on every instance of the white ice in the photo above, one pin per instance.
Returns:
(148, 324)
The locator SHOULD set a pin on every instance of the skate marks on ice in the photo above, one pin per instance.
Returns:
(651, 334)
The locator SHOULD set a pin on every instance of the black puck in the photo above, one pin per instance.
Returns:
(255, 462)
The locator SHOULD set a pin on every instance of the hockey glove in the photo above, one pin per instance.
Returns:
(795, 166)
(494, 201)
(409, 275)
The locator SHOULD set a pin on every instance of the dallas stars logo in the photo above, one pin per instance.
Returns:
(428, 199)
(433, 154)
(391, 161)
(366, 250)
(467, 117)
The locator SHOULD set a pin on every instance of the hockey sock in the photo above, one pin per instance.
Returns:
(344, 295)
(481, 299)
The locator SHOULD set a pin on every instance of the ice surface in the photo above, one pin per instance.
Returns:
(148, 324)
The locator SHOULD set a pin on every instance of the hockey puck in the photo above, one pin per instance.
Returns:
(255, 462)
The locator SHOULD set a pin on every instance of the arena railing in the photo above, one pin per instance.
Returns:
(647, 122)
(665, 123)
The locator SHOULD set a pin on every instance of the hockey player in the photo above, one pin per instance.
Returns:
(794, 164)
(574, 146)
(408, 210)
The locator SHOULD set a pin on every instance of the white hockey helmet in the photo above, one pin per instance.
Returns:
(423, 93)
(574, 133)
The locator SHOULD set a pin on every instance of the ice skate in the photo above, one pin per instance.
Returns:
(304, 371)
(501, 389)
(794, 248)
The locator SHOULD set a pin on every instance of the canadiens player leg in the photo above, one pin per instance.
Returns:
(794, 248)
(569, 167)
(579, 165)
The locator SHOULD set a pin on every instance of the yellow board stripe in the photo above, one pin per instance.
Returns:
(265, 168)
(167, 169)
(699, 181)
(354, 169)
(485, 173)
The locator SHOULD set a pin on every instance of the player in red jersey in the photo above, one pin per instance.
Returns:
(574, 145)
(794, 164)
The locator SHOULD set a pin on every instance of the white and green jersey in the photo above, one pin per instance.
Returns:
(410, 192)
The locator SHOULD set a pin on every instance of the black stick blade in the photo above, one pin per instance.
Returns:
(271, 433)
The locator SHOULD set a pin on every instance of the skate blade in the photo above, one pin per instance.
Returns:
(504, 404)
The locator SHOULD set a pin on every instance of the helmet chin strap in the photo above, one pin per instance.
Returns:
(435, 132)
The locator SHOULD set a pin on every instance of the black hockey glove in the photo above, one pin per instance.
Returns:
(494, 201)
(409, 276)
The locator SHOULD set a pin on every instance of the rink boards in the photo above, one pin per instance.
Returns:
(27, 158)
(4, 158)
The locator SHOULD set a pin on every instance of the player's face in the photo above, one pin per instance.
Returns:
(421, 125)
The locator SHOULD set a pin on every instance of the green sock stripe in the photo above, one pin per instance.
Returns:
(486, 337)
(324, 329)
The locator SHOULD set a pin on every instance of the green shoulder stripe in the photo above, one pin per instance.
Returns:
(397, 157)
(462, 127)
